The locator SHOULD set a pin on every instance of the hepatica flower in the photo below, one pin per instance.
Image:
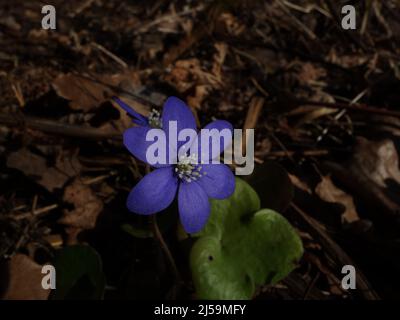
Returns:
(193, 182)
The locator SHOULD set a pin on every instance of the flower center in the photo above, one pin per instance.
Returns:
(155, 119)
(187, 168)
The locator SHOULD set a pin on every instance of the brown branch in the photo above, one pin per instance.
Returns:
(55, 127)
(353, 107)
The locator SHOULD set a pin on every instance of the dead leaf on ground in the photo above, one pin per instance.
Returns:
(310, 74)
(347, 61)
(35, 166)
(186, 74)
(377, 160)
(327, 191)
(87, 207)
(25, 280)
(86, 93)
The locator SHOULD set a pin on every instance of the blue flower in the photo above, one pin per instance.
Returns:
(193, 182)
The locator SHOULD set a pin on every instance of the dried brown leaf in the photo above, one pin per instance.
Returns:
(86, 93)
(327, 191)
(377, 160)
(25, 280)
(87, 207)
(310, 74)
(186, 74)
(35, 166)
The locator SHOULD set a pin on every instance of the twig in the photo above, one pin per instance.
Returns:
(174, 16)
(253, 113)
(110, 54)
(296, 21)
(289, 153)
(354, 107)
(164, 247)
(54, 127)
(99, 178)
(16, 87)
(35, 212)
(258, 86)
(314, 280)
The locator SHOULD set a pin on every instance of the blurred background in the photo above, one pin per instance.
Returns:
(324, 102)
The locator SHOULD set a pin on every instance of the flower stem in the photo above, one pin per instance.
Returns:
(165, 248)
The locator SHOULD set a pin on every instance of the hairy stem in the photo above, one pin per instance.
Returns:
(165, 248)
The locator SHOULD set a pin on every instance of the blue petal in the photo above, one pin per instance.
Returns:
(135, 142)
(217, 181)
(214, 148)
(138, 118)
(154, 192)
(194, 206)
(176, 110)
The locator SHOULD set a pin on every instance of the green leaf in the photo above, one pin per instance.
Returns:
(79, 273)
(242, 247)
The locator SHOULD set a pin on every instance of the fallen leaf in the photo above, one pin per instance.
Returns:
(182, 75)
(87, 207)
(309, 74)
(25, 280)
(86, 93)
(186, 74)
(377, 160)
(347, 61)
(327, 191)
(36, 167)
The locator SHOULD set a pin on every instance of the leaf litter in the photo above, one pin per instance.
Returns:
(323, 105)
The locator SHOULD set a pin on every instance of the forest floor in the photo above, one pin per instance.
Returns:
(324, 103)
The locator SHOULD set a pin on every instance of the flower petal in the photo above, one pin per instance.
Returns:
(154, 192)
(135, 142)
(137, 117)
(217, 180)
(213, 131)
(176, 110)
(194, 206)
